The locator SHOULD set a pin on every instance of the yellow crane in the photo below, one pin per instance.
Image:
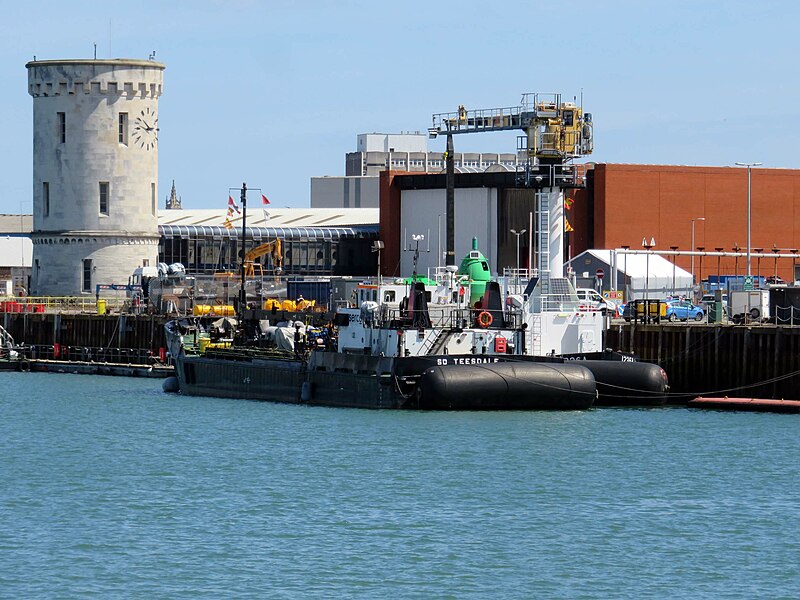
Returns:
(555, 130)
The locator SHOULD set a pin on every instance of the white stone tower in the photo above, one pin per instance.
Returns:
(95, 171)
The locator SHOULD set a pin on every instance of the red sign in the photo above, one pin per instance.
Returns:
(599, 273)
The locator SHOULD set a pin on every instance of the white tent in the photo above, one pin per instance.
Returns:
(651, 275)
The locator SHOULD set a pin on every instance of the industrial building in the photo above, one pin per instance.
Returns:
(681, 208)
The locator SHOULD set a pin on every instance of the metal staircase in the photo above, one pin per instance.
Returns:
(439, 342)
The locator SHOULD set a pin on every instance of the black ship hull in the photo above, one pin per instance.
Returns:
(492, 382)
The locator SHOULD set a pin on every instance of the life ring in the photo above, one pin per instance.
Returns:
(485, 319)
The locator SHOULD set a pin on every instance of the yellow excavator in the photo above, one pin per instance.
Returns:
(272, 248)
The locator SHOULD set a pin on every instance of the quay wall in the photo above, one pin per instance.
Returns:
(760, 361)
(108, 338)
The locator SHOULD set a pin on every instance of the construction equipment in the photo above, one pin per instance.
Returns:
(555, 130)
(555, 133)
(268, 248)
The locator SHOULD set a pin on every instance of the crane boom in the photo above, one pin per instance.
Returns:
(554, 130)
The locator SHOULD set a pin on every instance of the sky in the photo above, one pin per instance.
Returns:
(274, 93)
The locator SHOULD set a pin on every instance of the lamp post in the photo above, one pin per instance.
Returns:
(749, 167)
(692, 246)
(758, 274)
(736, 248)
(701, 249)
(719, 273)
(518, 234)
(625, 293)
(775, 251)
(647, 246)
(674, 260)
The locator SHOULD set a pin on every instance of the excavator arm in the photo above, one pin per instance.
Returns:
(272, 248)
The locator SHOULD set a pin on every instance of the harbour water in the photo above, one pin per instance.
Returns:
(111, 488)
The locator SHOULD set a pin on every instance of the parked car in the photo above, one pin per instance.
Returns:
(684, 310)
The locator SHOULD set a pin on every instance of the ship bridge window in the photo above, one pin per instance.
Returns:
(389, 296)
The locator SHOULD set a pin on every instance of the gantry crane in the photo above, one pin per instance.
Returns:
(556, 132)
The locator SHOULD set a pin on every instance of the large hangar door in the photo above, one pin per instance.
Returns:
(516, 209)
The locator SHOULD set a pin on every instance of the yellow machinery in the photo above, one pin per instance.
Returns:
(272, 248)
(555, 130)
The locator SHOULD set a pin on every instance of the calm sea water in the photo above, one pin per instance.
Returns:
(111, 488)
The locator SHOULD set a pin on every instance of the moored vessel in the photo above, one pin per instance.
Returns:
(430, 345)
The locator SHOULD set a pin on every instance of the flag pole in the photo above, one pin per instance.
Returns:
(243, 252)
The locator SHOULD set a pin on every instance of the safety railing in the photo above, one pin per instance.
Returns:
(93, 354)
(61, 304)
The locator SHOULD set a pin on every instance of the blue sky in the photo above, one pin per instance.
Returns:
(273, 93)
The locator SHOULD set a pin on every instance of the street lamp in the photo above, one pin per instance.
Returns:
(758, 251)
(692, 247)
(674, 260)
(625, 294)
(518, 234)
(749, 167)
(719, 273)
(647, 246)
(701, 249)
(775, 250)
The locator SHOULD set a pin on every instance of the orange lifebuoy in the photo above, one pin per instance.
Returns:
(485, 319)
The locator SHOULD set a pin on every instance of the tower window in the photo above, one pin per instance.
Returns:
(46, 198)
(62, 127)
(104, 198)
(123, 128)
(86, 285)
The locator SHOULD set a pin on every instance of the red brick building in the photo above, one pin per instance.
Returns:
(631, 202)
(622, 204)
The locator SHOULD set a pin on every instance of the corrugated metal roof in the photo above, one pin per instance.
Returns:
(257, 233)
(278, 217)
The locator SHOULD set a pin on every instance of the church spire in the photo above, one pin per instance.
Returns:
(173, 202)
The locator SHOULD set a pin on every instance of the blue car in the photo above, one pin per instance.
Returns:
(684, 310)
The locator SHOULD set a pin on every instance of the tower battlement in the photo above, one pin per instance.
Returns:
(118, 77)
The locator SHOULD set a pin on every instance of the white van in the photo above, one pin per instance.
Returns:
(592, 299)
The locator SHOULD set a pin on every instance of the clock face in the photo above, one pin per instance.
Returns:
(145, 129)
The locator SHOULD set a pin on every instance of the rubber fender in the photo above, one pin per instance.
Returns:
(622, 383)
(507, 386)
